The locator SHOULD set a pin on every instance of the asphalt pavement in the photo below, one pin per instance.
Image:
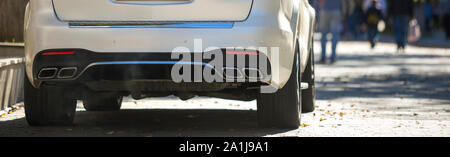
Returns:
(366, 93)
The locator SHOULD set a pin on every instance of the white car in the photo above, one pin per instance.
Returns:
(98, 51)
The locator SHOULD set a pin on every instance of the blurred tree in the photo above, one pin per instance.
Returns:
(12, 13)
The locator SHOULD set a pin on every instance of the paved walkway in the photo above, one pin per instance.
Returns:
(366, 93)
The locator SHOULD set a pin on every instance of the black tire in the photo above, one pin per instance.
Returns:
(309, 95)
(48, 105)
(283, 108)
(102, 102)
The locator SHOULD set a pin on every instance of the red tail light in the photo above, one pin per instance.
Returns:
(241, 53)
(59, 53)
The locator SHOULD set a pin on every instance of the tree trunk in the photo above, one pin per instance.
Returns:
(12, 13)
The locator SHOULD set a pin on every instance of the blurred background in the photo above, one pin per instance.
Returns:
(12, 13)
(430, 14)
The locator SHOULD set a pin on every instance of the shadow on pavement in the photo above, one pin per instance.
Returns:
(150, 122)
(403, 85)
(404, 80)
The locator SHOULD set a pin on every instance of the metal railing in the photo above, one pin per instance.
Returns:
(12, 73)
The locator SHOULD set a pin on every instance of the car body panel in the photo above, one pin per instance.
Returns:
(270, 24)
(305, 33)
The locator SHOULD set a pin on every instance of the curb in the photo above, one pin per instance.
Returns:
(3, 44)
(12, 49)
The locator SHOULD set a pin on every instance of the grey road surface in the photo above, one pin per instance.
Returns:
(366, 93)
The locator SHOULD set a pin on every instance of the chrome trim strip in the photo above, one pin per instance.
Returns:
(156, 25)
(149, 62)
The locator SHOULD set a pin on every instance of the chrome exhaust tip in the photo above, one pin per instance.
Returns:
(232, 73)
(66, 73)
(253, 73)
(47, 73)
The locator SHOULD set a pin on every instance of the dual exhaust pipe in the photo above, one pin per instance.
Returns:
(63, 73)
(244, 73)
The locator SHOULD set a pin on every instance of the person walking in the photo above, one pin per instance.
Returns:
(428, 15)
(445, 10)
(381, 4)
(330, 23)
(372, 17)
(401, 12)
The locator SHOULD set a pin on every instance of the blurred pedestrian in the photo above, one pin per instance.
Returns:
(381, 4)
(436, 15)
(445, 9)
(330, 23)
(354, 16)
(419, 14)
(401, 12)
(428, 15)
(372, 17)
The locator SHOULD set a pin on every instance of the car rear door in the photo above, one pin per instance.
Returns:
(152, 10)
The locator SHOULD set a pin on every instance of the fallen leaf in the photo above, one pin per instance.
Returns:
(322, 119)
(337, 79)
(305, 125)
(341, 114)
(69, 129)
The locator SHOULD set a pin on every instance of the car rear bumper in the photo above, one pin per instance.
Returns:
(84, 65)
(265, 28)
